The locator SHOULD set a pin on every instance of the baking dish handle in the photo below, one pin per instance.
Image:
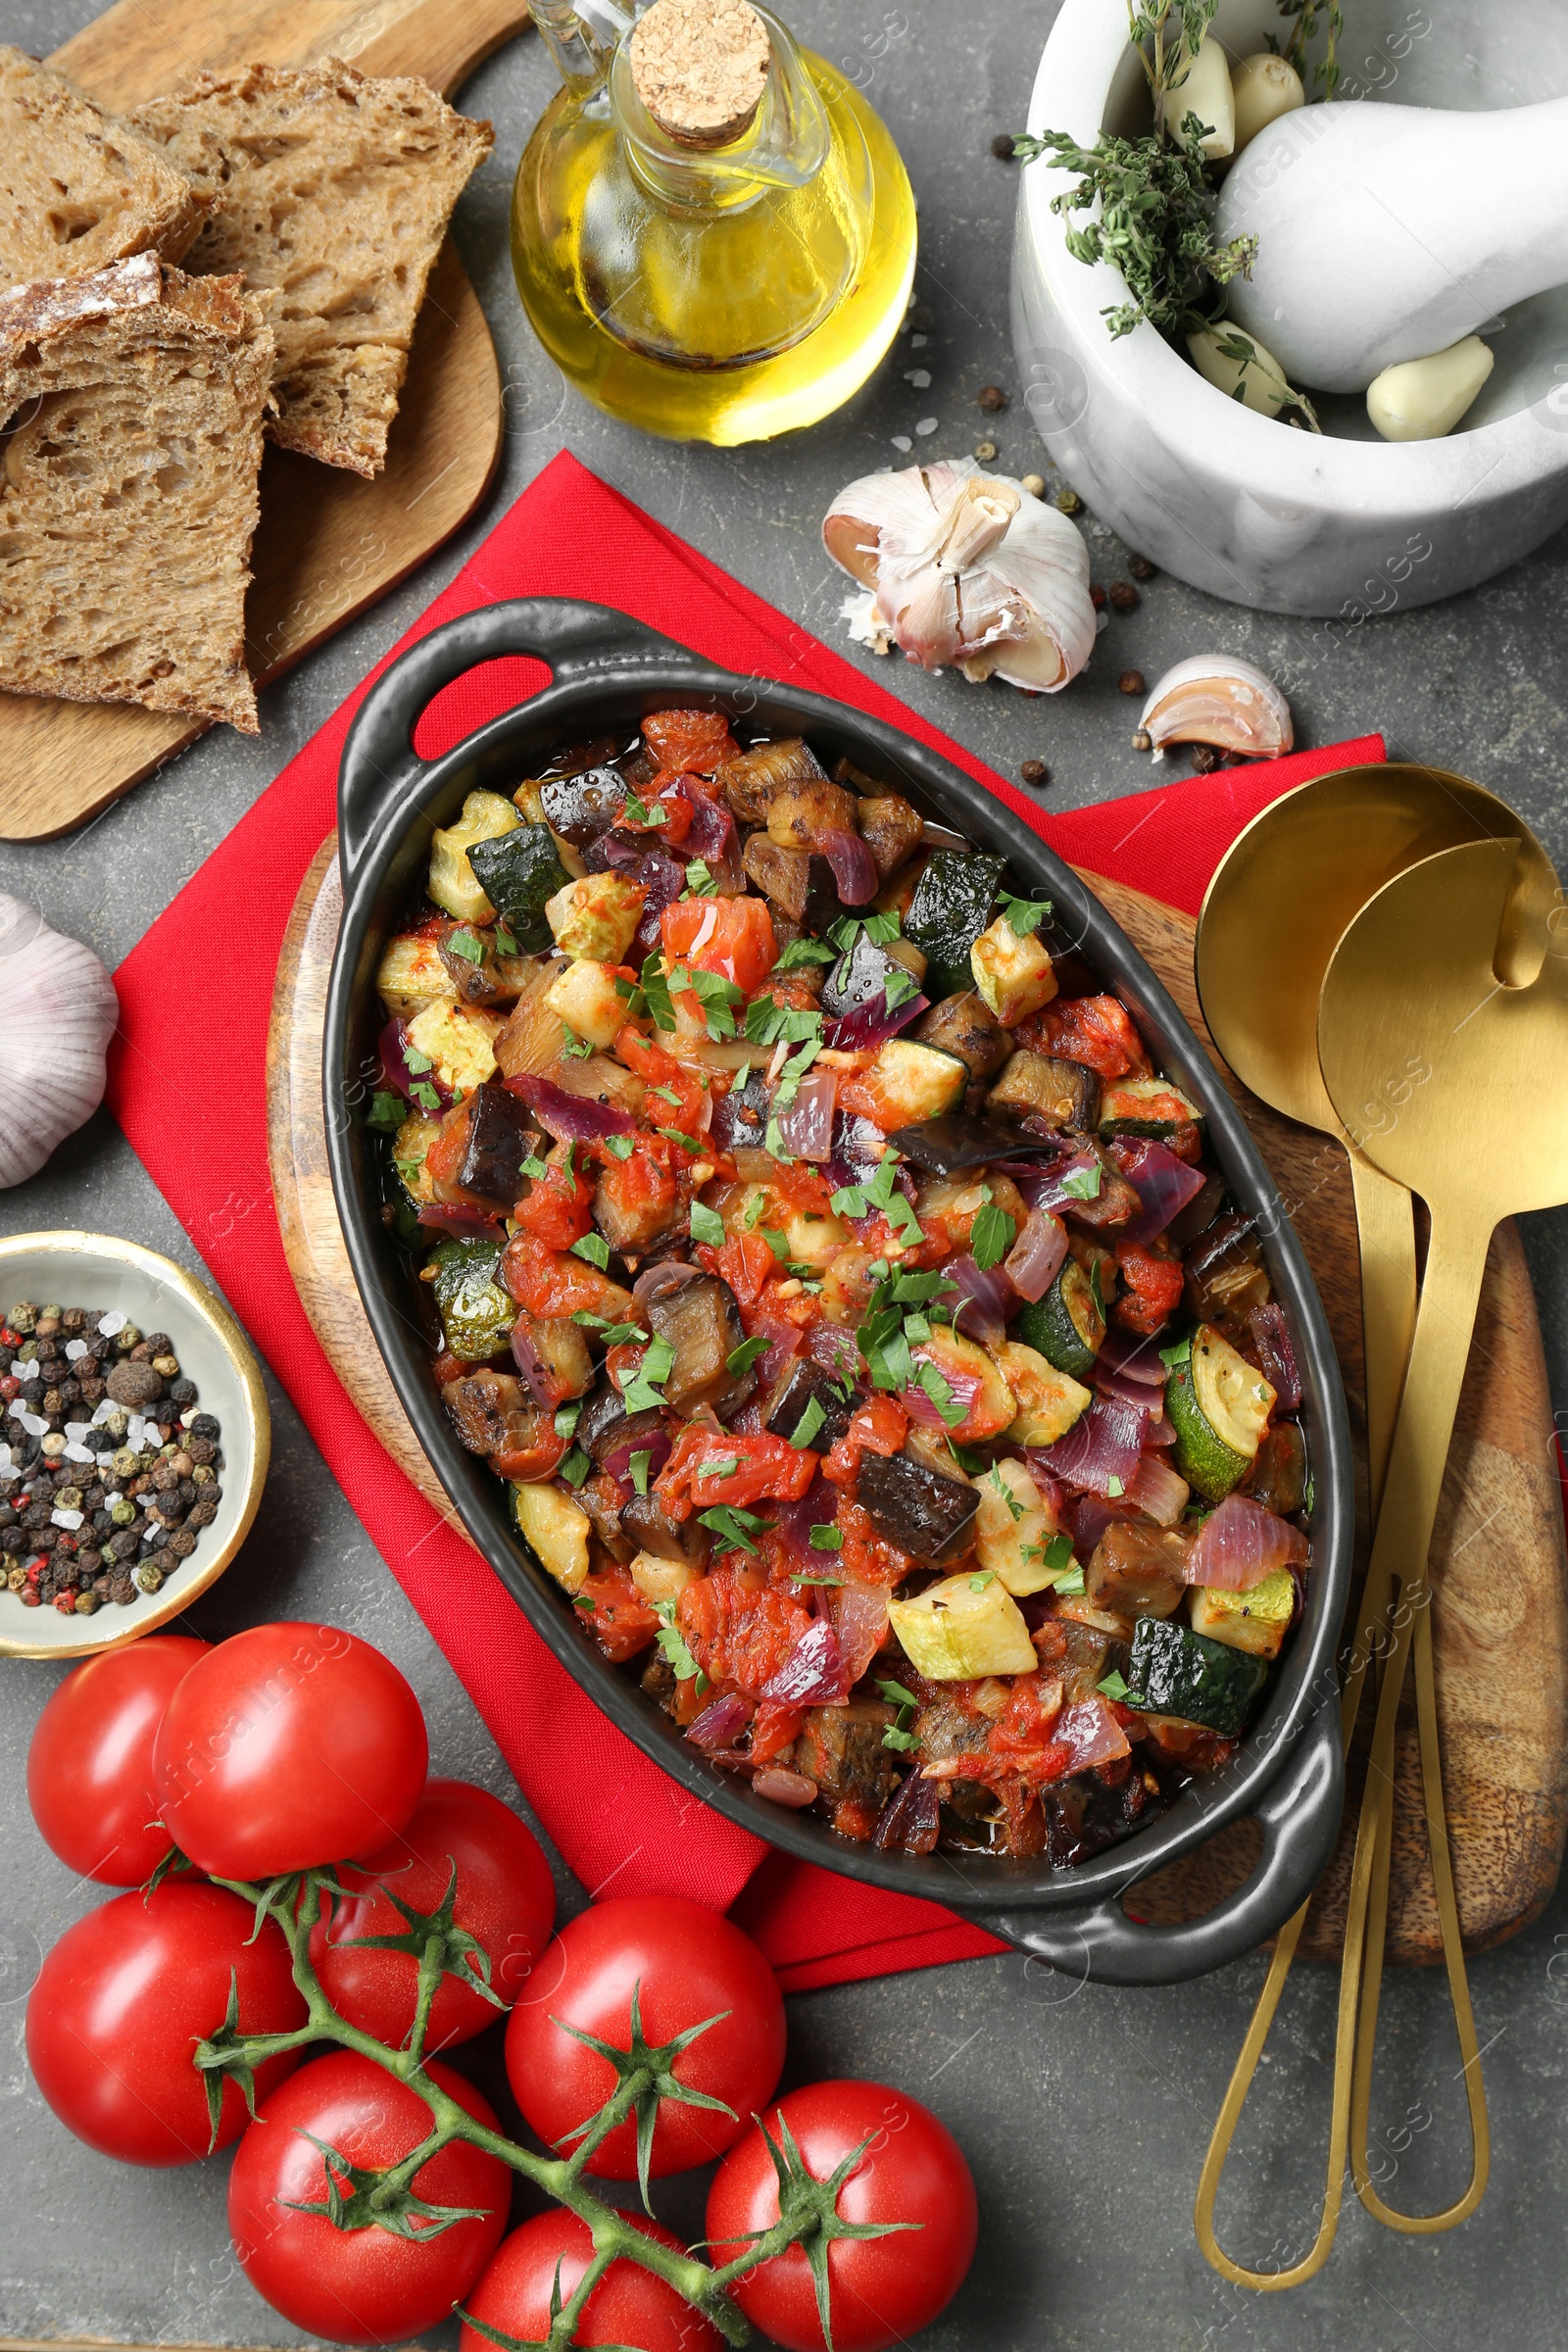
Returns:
(380, 763)
(1299, 1812)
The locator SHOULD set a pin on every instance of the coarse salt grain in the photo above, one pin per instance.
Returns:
(105, 1412)
(112, 1324)
(110, 1501)
(22, 1371)
(75, 1350)
(75, 1431)
(80, 1454)
(902, 441)
(927, 424)
(187, 1418)
(71, 1519)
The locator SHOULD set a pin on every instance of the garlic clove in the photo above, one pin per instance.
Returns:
(1222, 701)
(1241, 367)
(1422, 400)
(1204, 90)
(60, 1013)
(1263, 87)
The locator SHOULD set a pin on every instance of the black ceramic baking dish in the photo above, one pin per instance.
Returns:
(606, 670)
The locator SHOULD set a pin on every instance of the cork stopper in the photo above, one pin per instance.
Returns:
(700, 67)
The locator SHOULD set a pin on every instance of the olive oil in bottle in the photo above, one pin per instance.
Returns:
(713, 234)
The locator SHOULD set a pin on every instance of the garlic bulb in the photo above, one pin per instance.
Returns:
(1219, 700)
(966, 571)
(57, 1011)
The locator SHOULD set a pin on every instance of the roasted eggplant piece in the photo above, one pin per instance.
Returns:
(966, 1026)
(1278, 1476)
(605, 1513)
(797, 814)
(841, 1749)
(520, 872)
(859, 976)
(1136, 1571)
(582, 807)
(740, 1117)
(632, 1229)
(645, 1520)
(604, 1425)
(554, 1350)
(891, 830)
(951, 907)
(750, 782)
(925, 1511)
(798, 882)
(801, 1384)
(468, 959)
(948, 1147)
(492, 1413)
(502, 1135)
(1062, 1094)
(703, 1324)
(1226, 1277)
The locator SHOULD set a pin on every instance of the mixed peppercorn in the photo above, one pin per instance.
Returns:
(108, 1465)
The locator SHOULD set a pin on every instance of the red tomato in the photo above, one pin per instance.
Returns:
(738, 1632)
(361, 2286)
(629, 2306)
(740, 942)
(698, 740)
(122, 1999)
(690, 1964)
(881, 2289)
(550, 1282)
(747, 1469)
(557, 1208)
(91, 1764)
(287, 1745)
(505, 1898)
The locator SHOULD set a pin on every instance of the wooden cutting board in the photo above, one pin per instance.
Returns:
(1499, 1566)
(329, 543)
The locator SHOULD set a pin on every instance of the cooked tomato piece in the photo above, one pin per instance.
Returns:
(445, 1154)
(744, 1262)
(640, 1195)
(1153, 1287)
(879, 1426)
(678, 1095)
(1097, 1031)
(730, 936)
(667, 813)
(624, 1624)
(867, 1556)
(625, 1361)
(529, 1463)
(692, 742)
(711, 1466)
(739, 1634)
(558, 1209)
(774, 1727)
(549, 1281)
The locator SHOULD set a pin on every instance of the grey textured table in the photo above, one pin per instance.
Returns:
(1084, 2112)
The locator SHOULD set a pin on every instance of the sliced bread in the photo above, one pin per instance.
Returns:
(79, 189)
(339, 193)
(131, 404)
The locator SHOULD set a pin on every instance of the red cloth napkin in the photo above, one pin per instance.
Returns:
(619, 1820)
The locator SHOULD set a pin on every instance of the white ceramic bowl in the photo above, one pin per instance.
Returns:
(93, 1269)
(1233, 502)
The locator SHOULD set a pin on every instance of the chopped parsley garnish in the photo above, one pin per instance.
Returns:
(1083, 1183)
(860, 1199)
(1113, 1686)
(1071, 1586)
(697, 877)
(827, 1538)
(996, 1480)
(752, 1211)
(954, 1414)
(978, 1584)
(641, 815)
(734, 1526)
(716, 1468)
(1058, 1554)
(678, 1135)
(567, 1417)
(416, 1063)
(898, 989)
(426, 1095)
(740, 1359)
(714, 993)
(882, 929)
(706, 1225)
(576, 1048)
(387, 1111)
(505, 945)
(594, 1248)
(655, 990)
(534, 1167)
(898, 1734)
(644, 1392)
(1097, 1289)
(463, 942)
(1181, 1354)
(808, 1424)
(619, 1147)
(1115, 1486)
(882, 1338)
(903, 1219)
(638, 1466)
(1024, 915)
(991, 1235)
(666, 1093)
(778, 1243)
(805, 950)
(671, 1642)
(577, 1466)
(613, 1335)
(807, 1575)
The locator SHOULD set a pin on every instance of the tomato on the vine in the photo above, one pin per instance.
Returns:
(687, 1963)
(629, 2307)
(881, 2289)
(122, 2001)
(361, 2284)
(285, 1746)
(90, 1761)
(504, 1898)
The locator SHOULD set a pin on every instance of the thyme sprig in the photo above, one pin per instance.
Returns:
(361, 2197)
(1308, 16)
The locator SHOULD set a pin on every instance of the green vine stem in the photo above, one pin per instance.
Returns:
(385, 2199)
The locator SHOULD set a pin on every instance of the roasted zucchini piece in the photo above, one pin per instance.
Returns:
(1066, 1325)
(556, 1529)
(412, 975)
(1014, 975)
(460, 1040)
(521, 872)
(477, 1313)
(1012, 1528)
(966, 1026)
(1049, 1401)
(595, 918)
(1219, 1404)
(1174, 1671)
(453, 883)
(951, 907)
(587, 1000)
(1149, 1107)
(964, 1629)
(910, 1083)
(1256, 1621)
(1039, 1086)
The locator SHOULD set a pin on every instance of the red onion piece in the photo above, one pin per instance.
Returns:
(871, 1025)
(831, 1345)
(857, 1149)
(985, 1301)
(1160, 1432)
(393, 1050)
(657, 1446)
(782, 1788)
(1241, 1544)
(854, 867)
(793, 1522)
(806, 1129)
(1276, 1353)
(1134, 1393)
(661, 873)
(1091, 1734)
(910, 1820)
(536, 1379)
(460, 1217)
(721, 1723)
(570, 1118)
(1102, 1447)
(1090, 1517)
(1163, 1184)
(1036, 1257)
(1155, 1489)
(859, 1616)
(1136, 1357)
(1046, 1187)
(813, 1675)
(659, 1282)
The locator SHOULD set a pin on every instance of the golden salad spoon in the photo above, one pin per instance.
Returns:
(1274, 914)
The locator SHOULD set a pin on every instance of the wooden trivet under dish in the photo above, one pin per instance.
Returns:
(330, 542)
(1499, 1567)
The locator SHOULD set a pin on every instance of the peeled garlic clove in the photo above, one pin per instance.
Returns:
(1220, 700)
(60, 1013)
(1263, 87)
(1241, 367)
(1204, 90)
(1421, 400)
